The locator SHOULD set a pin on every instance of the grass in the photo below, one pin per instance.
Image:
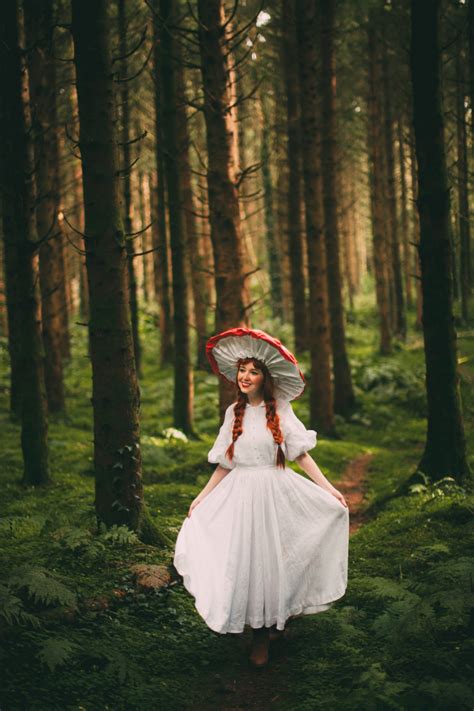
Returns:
(401, 638)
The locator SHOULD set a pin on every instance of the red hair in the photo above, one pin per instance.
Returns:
(273, 420)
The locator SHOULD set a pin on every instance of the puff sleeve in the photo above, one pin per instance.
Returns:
(217, 455)
(296, 438)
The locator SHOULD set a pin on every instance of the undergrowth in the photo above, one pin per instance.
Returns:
(76, 635)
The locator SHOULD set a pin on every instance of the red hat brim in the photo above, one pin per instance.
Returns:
(224, 350)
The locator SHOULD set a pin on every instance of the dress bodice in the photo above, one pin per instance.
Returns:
(256, 446)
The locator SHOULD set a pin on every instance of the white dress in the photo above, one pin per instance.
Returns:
(266, 543)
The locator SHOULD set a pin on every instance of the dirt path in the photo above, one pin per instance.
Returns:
(246, 689)
(353, 486)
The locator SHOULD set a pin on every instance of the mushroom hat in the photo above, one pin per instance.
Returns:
(225, 349)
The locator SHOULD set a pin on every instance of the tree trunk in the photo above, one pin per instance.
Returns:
(10, 258)
(398, 305)
(343, 392)
(273, 256)
(405, 240)
(3, 290)
(115, 393)
(462, 185)
(445, 449)
(294, 221)
(222, 191)
(321, 394)
(126, 178)
(18, 196)
(39, 28)
(160, 238)
(193, 251)
(374, 139)
(183, 374)
(471, 93)
(415, 231)
(145, 246)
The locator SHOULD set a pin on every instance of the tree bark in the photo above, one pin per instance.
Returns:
(3, 291)
(405, 241)
(183, 374)
(398, 303)
(374, 140)
(115, 393)
(415, 231)
(321, 393)
(41, 69)
(222, 191)
(294, 218)
(126, 178)
(344, 399)
(161, 257)
(10, 258)
(470, 30)
(193, 248)
(18, 197)
(462, 185)
(445, 448)
(273, 256)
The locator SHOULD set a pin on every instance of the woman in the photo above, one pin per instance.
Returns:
(262, 544)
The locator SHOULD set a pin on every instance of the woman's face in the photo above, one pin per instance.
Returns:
(250, 378)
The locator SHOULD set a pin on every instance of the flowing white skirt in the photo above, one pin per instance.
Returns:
(265, 544)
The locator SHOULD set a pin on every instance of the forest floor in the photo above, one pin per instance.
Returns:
(77, 635)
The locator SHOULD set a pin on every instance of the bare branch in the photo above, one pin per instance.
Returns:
(137, 73)
(249, 24)
(78, 232)
(232, 14)
(133, 140)
(132, 51)
(140, 254)
(78, 249)
(125, 171)
(132, 235)
(246, 172)
(253, 271)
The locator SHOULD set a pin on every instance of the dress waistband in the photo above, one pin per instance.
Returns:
(255, 466)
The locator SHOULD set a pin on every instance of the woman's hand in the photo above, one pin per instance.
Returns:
(194, 503)
(339, 496)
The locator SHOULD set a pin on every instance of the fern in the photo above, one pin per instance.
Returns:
(454, 694)
(42, 586)
(377, 691)
(383, 588)
(73, 538)
(11, 609)
(55, 651)
(120, 667)
(405, 620)
(81, 540)
(425, 609)
(121, 535)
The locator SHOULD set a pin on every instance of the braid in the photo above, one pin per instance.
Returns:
(273, 424)
(239, 411)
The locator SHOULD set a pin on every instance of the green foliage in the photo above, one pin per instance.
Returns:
(55, 651)
(393, 383)
(42, 586)
(11, 608)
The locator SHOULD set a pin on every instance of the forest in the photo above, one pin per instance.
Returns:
(170, 169)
